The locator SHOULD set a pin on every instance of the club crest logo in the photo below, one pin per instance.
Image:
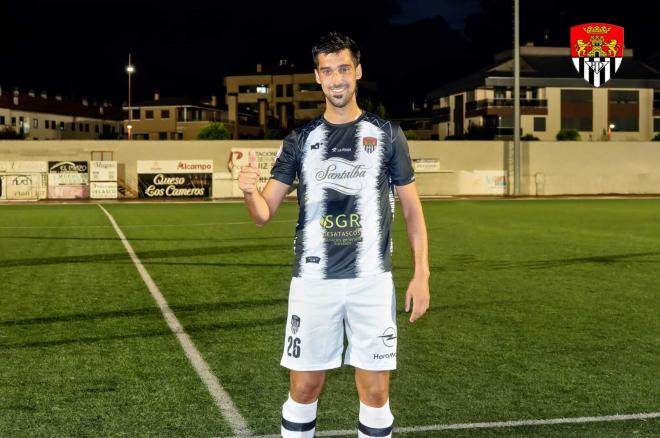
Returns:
(597, 51)
(369, 144)
(295, 324)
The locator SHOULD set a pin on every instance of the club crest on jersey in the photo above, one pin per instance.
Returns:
(295, 324)
(597, 51)
(369, 144)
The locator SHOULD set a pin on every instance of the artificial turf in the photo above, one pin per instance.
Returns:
(540, 309)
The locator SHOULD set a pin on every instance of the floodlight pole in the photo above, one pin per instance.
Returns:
(130, 69)
(516, 96)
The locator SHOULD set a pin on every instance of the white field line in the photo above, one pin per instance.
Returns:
(203, 224)
(490, 425)
(222, 400)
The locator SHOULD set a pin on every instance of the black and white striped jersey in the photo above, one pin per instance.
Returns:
(346, 176)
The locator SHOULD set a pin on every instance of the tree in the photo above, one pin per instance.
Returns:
(568, 134)
(370, 105)
(410, 134)
(9, 134)
(214, 131)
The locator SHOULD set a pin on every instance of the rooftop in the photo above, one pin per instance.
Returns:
(548, 66)
(49, 105)
(175, 101)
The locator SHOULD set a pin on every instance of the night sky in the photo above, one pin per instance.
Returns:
(80, 47)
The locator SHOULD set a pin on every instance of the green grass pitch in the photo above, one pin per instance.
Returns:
(539, 309)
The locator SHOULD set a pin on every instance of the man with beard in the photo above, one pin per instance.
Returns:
(348, 162)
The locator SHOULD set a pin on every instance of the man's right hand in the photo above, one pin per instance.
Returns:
(249, 175)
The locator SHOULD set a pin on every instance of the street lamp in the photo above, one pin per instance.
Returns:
(130, 69)
(609, 131)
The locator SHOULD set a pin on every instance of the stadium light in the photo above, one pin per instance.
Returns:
(130, 69)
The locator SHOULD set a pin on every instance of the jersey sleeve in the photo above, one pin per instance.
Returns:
(400, 166)
(286, 165)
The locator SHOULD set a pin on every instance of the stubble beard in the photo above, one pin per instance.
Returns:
(340, 100)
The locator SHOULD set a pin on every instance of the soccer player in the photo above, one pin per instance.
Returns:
(348, 163)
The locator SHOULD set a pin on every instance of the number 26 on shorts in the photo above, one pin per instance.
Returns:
(293, 344)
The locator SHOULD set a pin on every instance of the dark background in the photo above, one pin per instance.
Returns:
(80, 47)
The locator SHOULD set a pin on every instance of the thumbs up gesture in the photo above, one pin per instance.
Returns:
(249, 175)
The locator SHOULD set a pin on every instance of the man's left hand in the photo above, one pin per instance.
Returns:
(418, 293)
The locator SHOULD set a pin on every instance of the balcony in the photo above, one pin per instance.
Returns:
(503, 106)
(440, 114)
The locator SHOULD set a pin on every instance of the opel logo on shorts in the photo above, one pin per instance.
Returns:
(389, 337)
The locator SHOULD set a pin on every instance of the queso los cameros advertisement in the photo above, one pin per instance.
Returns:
(175, 178)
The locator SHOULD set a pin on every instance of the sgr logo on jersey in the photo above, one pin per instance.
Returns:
(341, 175)
(341, 220)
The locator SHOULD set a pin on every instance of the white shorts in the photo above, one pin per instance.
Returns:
(319, 310)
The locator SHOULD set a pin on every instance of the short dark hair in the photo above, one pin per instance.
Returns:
(335, 42)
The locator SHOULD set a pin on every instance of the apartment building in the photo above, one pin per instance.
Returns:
(552, 97)
(44, 117)
(280, 97)
(171, 118)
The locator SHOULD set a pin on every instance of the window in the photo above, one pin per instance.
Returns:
(164, 114)
(136, 114)
(13, 121)
(47, 125)
(61, 126)
(96, 129)
(309, 87)
(500, 92)
(80, 127)
(505, 121)
(261, 88)
(539, 124)
(279, 90)
(73, 126)
(162, 136)
(577, 110)
(308, 105)
(149, 114)
(35, 123)
(289, 90)
(86, 127)
(623, 110)
(2, 120)
(101, 155)
(656, 124)
(53, 125)
(470, 95)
